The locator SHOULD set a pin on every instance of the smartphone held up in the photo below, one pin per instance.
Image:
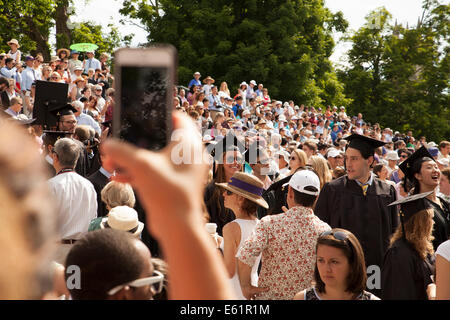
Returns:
(144, 82)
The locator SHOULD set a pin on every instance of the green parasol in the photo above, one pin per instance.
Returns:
(84, 47)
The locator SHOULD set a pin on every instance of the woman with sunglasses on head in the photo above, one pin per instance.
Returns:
(340, 270)
(229, 162)
(409, 262)
(242, 194)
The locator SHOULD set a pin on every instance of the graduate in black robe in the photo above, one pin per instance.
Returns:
(406, 272)
(417, 164)
(343, 203)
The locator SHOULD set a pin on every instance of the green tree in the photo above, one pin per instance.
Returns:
(29, 22)
(284, 44)
(398, 76)
(92, 33)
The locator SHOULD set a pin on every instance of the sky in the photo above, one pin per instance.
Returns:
(355, 11)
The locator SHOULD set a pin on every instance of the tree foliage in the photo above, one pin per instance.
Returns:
(284, 44)
(92, 33)
(27, 21)
(30, 23)
(398, 76)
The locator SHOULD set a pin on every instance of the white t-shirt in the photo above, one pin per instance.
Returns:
(444, 250)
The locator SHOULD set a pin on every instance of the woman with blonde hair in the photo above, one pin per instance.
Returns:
(224, 89)
(297, 160)
(320, 166)
(114, 194)
(409, 262)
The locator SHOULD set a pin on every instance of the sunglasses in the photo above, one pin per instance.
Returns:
(233, 159)
(339, 235)
(156, 281)
(403, 156)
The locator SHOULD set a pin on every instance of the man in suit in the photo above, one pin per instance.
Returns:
(100, 179)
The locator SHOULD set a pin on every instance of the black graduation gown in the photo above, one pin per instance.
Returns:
(99, 181)
(82, 166)
(441, 218)
(275, 197)
(146, 237)
(405, 275)
(218, 214)
(342, 204)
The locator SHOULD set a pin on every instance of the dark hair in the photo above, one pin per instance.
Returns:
(306, 200)
(409, 184)
(106, 258)
(83, 99)
(4, 81)
(249, 207)
(377, 168)
(8, 60)
(357, 277)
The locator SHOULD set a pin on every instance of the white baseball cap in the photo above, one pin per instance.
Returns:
(333, 153)
(253, 82)
(305, 178)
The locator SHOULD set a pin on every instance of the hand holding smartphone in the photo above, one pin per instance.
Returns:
(144, 86)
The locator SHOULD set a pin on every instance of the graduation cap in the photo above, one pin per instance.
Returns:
(254, 151)
(412, 165)
(49, 97)
(409, 206)
(364, 144)
(227, 143)
(50, 137)
(62, 110)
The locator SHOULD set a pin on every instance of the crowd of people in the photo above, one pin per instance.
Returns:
(308, 203)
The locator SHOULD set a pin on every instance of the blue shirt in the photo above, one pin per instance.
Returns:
(92, 64)
(29, 75)
(369, 182)
(8, 73)
(85, 119)
(236, 108)
(194, 82)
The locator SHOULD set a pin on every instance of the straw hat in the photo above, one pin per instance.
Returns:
(14, 41)
(247, 186)
(208, 78)
(67, 51)
(123, 218)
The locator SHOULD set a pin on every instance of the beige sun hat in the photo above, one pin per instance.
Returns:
(247, 186)
(14, 41)
(123, 218)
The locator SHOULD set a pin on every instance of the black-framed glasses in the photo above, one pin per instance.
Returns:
(339, 235)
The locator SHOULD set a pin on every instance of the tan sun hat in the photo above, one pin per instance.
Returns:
(14, 41)
(247, 186)
(67, 51)
(208, 78)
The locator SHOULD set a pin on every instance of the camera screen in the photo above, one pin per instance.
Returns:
(143, 106)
